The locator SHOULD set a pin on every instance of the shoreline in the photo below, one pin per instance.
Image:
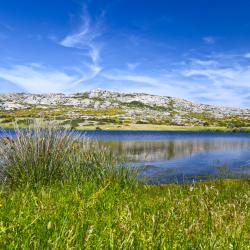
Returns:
(149, 127)
(165, 129)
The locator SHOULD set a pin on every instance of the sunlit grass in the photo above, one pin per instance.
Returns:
(93, 216)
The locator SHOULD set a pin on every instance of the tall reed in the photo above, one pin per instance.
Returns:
(44, 153)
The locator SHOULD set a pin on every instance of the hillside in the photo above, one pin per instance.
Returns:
(102, 107)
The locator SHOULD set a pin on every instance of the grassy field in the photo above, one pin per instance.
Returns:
(213, 215)
(59, 191)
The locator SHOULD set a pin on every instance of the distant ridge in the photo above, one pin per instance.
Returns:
(132, 107)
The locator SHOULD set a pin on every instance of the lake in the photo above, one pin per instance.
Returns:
(171, 156)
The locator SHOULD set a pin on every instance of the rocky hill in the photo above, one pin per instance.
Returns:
(102, 106)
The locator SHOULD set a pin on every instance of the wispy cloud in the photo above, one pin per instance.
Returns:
(203, 62)
(85, 37)
(213, 78)
(221, 72)
(160, 84)
(220, 80)
(37, 78)
(85, 40)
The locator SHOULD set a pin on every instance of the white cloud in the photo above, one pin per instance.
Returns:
(161, 84)
(225, 82)
(235, 75)
(203, 62)
(213, 74)
(85, 38)
(247, 55)
(214, 79)
(35, 78)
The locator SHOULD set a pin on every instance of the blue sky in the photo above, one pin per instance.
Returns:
(197, 49)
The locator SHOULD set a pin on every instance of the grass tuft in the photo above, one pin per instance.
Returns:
(45, 153)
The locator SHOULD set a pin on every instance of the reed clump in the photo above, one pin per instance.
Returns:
(45, 153)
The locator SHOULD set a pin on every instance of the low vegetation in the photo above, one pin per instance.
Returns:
(80, 118)
(62, 191)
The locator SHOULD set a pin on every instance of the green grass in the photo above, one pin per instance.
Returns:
(212, 215)
(59, 191)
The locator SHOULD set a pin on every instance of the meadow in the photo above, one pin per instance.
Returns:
(62, 191)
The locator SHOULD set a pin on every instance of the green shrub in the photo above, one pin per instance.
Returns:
(74, 123)
(7, 120)
(102, 112)
(136, 104)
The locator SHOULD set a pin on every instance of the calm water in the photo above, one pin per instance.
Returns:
(180, 156)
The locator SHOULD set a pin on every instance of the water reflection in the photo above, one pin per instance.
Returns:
(173, 149)
(177, 158)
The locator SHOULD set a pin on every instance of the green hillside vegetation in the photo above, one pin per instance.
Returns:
(228, 121)
(119, 117)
